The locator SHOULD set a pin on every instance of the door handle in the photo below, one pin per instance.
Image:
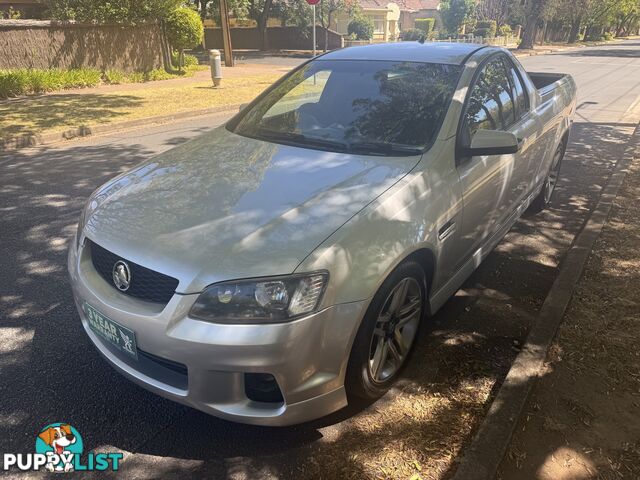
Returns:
(446, 230)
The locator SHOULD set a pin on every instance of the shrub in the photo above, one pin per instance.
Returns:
(157, 74)
(12, 83)
(25, 81)
(486, 29)
(505, 30)
(608, 36)
(411, 34)
(189, 60)
(184, 29)
(482, 32)
(80, 77)
(114, 77)
(361, 27)
(426, 25)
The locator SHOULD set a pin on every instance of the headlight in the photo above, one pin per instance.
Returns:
(86, 211)
(263, 300)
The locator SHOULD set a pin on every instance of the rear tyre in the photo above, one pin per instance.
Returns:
(387, 333)
(544, 197)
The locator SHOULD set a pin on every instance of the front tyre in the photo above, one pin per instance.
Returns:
(387, 333)
(544, 197)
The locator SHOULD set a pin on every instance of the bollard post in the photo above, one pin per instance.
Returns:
(216, 67)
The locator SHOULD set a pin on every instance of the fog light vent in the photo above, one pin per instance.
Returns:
(262, 387)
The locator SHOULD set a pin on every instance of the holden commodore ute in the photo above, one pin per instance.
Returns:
(272, 269)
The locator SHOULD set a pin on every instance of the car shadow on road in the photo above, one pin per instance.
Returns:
(52, 373)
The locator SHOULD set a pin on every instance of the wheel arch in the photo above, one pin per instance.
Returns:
(427, 260)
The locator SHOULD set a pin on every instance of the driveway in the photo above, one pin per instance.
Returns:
(50, 372)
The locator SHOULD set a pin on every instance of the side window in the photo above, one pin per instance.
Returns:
(521, 97)
(491, 103)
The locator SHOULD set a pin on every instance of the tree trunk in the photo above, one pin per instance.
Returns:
(326, 32)
(262, 24)
(575, 30)
(530, 29)
(203, 9)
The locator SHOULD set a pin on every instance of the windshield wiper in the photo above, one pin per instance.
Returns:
(384, 148)
(302, 140)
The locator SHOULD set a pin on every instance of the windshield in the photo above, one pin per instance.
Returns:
(359, 106)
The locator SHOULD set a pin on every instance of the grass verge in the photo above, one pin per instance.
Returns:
(63, 111)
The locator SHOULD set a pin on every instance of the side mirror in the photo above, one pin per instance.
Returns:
(492, 142)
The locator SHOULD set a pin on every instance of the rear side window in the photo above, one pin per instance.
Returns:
(520, 95)
(491, 102)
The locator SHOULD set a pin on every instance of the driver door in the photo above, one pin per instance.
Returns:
(489, 182)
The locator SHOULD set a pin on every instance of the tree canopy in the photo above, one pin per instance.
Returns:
(111, 11)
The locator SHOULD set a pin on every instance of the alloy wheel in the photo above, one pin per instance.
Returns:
(552, 176)
(395, 330)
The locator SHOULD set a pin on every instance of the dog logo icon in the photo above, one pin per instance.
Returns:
(61, 443)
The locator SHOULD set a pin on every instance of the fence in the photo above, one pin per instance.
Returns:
(47, 44)
(277, 38)
(503, 41)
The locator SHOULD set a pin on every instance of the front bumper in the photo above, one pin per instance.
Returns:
(203, 364)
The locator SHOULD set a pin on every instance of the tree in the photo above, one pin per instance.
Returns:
(627, 18)
(533, 14)
(455, 13)
(239, 9)
(298, 13)
(328, 8)
(497, 10)
(361, 27)
(259, 11)
(111, 11)
(184, 30)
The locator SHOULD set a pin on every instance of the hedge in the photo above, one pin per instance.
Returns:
(411, 34)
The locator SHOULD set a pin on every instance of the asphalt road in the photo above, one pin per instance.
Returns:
(50, 372)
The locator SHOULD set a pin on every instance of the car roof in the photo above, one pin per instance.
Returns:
(428, 52)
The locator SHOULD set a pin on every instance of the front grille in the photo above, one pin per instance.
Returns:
(145, 283)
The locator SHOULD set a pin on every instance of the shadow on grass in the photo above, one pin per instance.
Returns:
(31, 116)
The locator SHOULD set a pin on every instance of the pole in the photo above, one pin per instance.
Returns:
(226, 34)
(314, 30)
(216, 67)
